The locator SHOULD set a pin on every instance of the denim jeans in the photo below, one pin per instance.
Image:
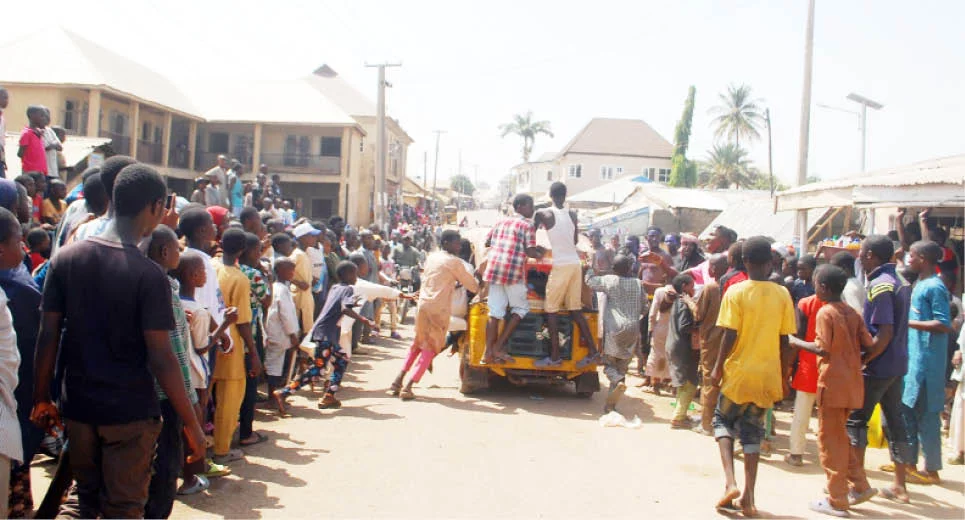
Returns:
(742, 420)
(887, 392)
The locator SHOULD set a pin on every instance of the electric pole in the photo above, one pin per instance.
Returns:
(435, 168)
(381, 198)
(770, 161)
(801, 225)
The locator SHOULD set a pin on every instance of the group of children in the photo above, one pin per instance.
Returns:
(849, 349)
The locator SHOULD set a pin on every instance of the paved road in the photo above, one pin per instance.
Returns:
(512, 453)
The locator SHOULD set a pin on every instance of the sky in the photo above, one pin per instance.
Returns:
(468, 67)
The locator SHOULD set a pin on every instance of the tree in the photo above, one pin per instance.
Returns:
(462, 184)
(727, 166)
(683, 173)
(525, 127)
(738, 115)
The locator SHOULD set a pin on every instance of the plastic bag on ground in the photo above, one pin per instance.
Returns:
(614, 419)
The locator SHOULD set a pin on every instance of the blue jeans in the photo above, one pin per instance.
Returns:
(744, 421)
(887, 392)
(924, 427)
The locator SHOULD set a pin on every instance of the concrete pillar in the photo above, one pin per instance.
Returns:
(135, 125)
(166, 139)
(93, 113)
(256, 149)
(192, 143)
(343, 202)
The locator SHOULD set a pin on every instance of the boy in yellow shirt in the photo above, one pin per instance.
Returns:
(229, 370)
(757, 316)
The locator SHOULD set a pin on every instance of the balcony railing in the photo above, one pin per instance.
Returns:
(204, 161)
(149, 152)
(303, 163)
(121, 144)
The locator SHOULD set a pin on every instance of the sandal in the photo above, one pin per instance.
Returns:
(860, 498)
(406, 395)
(259, 438)
(894, 497)
(215, 470)
(505, 359)
(200, 484)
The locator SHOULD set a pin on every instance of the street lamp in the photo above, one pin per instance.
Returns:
(865, 103)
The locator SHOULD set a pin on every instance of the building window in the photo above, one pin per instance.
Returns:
(304, 150)
(158, 134)
(70, 117)
(218, 142)
(118, 122)
(663, 175)
(146, 131)
(575, 171)
(549, 176)
(331, 147)
(607, 173)
(650, 173)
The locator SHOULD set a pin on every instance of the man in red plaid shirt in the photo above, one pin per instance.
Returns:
(509, 243)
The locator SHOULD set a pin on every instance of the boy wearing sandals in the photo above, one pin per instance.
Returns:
(840, 334)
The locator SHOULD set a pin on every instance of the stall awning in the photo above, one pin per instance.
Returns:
(935, 182)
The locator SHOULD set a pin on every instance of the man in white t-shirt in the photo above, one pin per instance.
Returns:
(564, 289)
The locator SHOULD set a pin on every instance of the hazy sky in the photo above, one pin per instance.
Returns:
(469, 66)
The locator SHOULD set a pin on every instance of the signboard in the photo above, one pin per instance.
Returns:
(633, 222)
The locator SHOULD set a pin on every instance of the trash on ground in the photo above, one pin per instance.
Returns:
(614, 419)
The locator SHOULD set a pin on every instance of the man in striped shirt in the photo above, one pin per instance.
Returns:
(509, 242)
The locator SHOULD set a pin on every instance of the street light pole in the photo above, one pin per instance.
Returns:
(381, 198)
(865, 103)
(435, 168)
(801, 219)
(770, 161)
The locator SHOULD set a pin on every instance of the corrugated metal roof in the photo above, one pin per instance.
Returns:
(625, 137)
(292, 101)
(343, 94)
(76, 148)
(615, 192)
(69, 59)
(757, 218)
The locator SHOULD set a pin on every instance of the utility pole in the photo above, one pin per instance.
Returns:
(381, 198)
(435, 168)
(770, 161)
(800, 222)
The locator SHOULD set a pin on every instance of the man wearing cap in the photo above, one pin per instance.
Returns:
(306, 236)
(221, 171)
(690, 255)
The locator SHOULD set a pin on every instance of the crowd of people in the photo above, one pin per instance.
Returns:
(749, 324)
(137, 329)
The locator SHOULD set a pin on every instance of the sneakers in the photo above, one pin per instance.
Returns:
(329, 402)
(614, 396)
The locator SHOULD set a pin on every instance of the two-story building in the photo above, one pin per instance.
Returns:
(317, 132)
(604, 150)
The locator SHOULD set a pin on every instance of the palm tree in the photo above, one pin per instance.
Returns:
(726, 166)
(738, 115)
(525, 127)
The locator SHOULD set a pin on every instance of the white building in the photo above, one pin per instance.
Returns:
(603, 151)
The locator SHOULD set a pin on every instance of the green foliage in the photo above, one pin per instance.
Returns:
(738, 115)
(683, 173)
(726, 166)
(462, 184)
(525, 127)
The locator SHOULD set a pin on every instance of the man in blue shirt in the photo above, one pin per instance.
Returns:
(886, 316)
(929, 323)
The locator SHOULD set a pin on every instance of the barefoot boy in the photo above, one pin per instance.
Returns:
(840, 334)
(757, 316)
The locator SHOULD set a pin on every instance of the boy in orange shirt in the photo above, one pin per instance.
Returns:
(840, 334)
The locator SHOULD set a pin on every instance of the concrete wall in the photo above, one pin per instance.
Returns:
(591, 164)
(23, 96)
(535, 177)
